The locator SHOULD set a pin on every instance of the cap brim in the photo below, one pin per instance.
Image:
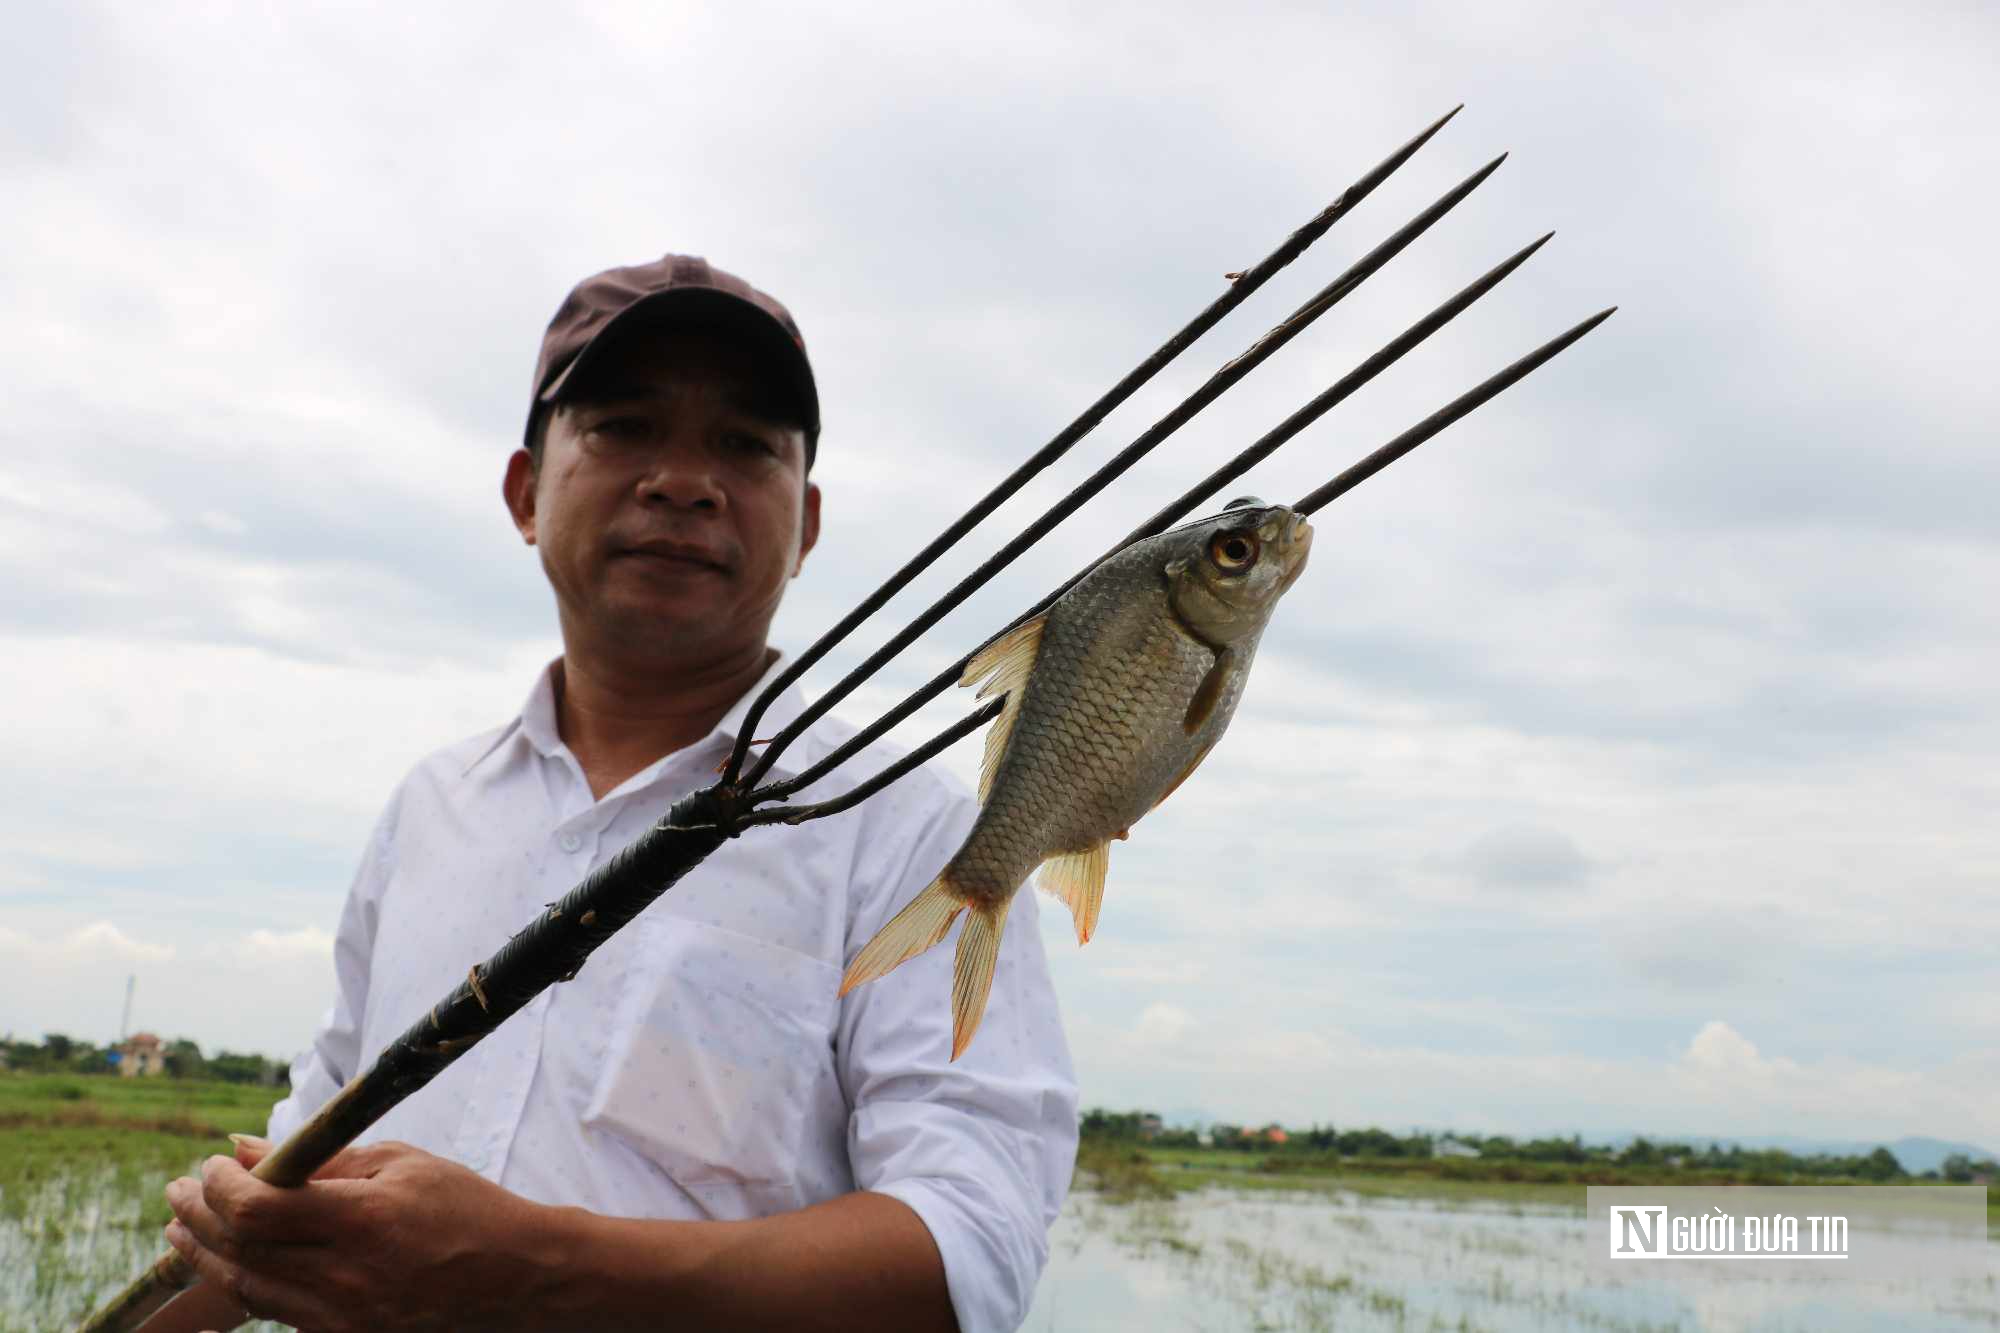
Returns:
(702, 308)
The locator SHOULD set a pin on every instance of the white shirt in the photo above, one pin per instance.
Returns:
(701, 1065)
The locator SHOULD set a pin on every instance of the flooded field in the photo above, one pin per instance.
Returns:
(81, 1168)
(1278, 1260)
(82, 1164)
(73, 1239)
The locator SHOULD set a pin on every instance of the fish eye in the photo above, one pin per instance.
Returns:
(1233, 552)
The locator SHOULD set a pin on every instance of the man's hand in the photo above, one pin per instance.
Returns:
(388, 1237)
(384, 1237)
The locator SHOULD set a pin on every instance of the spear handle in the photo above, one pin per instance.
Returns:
(551, 949)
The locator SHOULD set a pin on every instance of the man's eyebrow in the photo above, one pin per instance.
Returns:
(748, 399)
(601, 394)
(754, 402)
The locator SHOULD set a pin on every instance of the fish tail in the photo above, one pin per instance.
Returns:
(924, 921)
(972, 970)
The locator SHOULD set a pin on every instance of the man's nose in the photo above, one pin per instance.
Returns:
(683, 477)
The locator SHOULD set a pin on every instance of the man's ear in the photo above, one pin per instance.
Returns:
(518, 489)
(808, 528)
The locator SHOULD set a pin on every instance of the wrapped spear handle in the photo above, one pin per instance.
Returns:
(549, 950)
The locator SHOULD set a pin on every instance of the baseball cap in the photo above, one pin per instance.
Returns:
(675, 290)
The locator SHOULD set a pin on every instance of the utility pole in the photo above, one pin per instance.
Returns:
(125, 1022)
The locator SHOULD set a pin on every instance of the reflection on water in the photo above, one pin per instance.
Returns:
(1269, 1260)
(70, 1242)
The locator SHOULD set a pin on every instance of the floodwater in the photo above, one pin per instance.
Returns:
(1269, 1260)
(69, 1243)
(1282, 1260)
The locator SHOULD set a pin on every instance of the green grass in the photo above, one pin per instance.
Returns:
(240, 1106)
(83, 1161)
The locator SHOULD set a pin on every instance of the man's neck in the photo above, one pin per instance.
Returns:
(619, 721)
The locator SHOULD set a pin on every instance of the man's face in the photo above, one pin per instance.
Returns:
(670, 512)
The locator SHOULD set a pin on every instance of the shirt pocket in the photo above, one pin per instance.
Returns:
(714, 1050)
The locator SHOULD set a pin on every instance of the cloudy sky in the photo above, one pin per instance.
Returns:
(1626, 759)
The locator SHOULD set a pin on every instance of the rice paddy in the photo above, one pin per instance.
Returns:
(1139, 1248)
(82, 1164)
(1141, 1245)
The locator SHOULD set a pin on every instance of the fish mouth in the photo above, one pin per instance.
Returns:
(1297, 549)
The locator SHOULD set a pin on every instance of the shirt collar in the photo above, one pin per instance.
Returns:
(536, 722)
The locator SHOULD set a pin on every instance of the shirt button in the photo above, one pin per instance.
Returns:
(569, 842)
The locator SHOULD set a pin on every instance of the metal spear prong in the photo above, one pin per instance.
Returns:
(1226, 377)
(1387, 355)
(1241, 286)
(1381, 457)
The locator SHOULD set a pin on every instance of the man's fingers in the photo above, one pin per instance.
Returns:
(259, 1292)
(196, 1217)
(250, 1149)
(260, 1214)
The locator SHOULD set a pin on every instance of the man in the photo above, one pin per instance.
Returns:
(696, 1132)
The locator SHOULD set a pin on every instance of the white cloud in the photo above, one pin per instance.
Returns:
(1659, 689)
(1162, 1024)
(1720, 1051)
(101, 939)
(308, 942)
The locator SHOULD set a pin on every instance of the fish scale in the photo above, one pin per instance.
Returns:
(1113, 697)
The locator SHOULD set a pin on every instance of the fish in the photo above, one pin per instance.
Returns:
(1113, 697)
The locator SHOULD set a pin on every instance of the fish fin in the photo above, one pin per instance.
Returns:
(972, 970)
(924, 920)
(1186, 773)
(1208, 694)
(1009, 660)
(1078, 879)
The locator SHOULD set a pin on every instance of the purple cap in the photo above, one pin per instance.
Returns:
(675, 290)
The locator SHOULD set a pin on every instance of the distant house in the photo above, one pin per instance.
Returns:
(1150, 1126)
(141, 1054)
(1453, 1148)
(1274, 1134)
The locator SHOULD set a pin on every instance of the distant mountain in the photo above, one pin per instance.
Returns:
(1916, 1154)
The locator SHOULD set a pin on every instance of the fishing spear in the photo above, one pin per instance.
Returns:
(554, 946)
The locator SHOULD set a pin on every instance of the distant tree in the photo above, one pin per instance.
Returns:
(184, 1059)
(1381, 1143)
(1640, 1152)
(1553, 1150)
(231, 1067)
(58, 1047)
(1880, 1165)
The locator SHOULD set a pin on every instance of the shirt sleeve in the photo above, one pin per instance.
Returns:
(325, 1066)
(982, 1149)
